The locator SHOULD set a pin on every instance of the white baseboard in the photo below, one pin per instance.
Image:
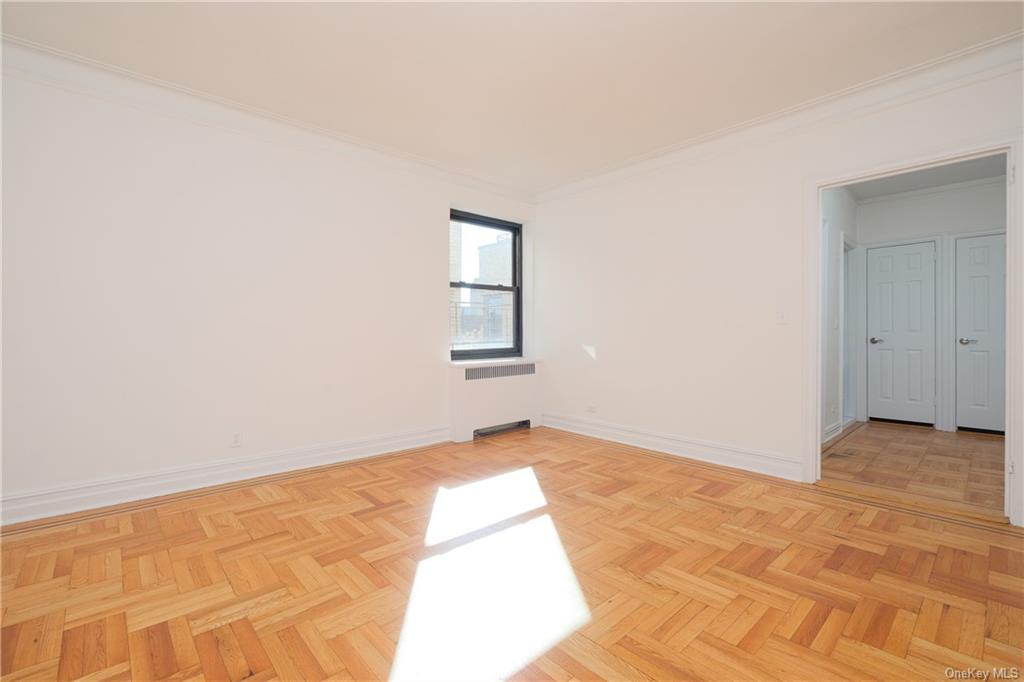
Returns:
(762, 462)
(832, 431)
(39, 504)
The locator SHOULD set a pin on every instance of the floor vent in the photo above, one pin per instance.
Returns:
(501, 428)
(497, 371)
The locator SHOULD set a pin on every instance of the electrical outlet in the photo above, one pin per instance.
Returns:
(236, 440)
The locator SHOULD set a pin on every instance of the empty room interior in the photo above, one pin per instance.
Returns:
(527, 341)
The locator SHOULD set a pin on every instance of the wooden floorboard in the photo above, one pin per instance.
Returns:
(957, 472)
(357, 571)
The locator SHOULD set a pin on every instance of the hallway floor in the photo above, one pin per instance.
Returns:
(919, 466)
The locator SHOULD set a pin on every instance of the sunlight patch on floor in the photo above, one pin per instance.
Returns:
(470, 507)
(487, 608)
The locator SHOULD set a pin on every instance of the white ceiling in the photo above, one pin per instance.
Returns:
(526, 96)
(962, 171)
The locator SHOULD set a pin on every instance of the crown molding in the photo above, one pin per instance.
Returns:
(74, 73)
(981, 62)
(985, 60)
(936, 189)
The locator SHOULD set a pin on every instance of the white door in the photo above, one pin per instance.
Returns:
(901, 332)
(980, 332)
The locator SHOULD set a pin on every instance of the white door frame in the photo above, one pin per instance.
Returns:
(841, 330)
(856, 320)
(810, 458)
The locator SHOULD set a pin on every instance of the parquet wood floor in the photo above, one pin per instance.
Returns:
(688, 571)
(959, 471)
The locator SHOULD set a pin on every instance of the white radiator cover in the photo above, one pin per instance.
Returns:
(477, 403)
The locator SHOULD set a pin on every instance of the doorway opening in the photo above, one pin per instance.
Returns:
(913, 337)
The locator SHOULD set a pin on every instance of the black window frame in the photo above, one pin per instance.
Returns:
(516, 229)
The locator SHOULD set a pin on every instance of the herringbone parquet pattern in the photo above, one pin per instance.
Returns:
(688, 571)
(960, 471)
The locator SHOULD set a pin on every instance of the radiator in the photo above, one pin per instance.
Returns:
(486, 394)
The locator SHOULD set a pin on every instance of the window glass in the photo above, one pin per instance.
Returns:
(479, 318)
(485, 276)
(479, 255)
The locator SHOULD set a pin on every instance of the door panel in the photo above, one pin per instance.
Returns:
(901, 320)
(980, 332)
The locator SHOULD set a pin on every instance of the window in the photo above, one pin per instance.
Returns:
(485, 275)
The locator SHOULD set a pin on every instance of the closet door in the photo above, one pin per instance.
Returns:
(901, 332)
(981, 332)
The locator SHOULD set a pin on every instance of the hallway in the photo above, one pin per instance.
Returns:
(917, 465)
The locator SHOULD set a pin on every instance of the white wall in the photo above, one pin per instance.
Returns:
(177, 272)
(687, 276)
(951, 209)
(839, 217)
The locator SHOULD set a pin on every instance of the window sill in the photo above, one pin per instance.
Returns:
(489, 361)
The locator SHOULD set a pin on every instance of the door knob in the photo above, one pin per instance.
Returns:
(875, 339)
(964, 342)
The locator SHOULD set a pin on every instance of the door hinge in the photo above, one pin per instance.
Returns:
(1012, 175)
(1010, 468)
